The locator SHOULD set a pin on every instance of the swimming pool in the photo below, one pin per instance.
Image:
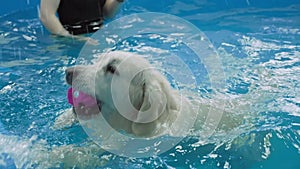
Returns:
(258, 43)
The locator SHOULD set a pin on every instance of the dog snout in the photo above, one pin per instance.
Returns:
(70, 75)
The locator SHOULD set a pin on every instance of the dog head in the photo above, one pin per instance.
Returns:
(133, 95)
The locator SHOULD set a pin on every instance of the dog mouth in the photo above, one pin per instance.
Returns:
(84, 106)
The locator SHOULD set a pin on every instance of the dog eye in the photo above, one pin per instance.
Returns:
(111, 69)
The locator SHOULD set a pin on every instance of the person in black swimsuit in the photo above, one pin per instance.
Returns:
(76, 16)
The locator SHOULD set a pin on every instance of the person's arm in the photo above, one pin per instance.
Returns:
(48, 17)
(48, 9)
(111, 7)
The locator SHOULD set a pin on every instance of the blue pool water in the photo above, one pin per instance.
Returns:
(259, 45)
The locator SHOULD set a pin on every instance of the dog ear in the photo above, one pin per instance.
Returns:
(156, 104)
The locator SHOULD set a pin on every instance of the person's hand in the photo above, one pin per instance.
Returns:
(92, 41)
(88, 40)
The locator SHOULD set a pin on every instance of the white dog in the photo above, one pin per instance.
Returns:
(134, 97)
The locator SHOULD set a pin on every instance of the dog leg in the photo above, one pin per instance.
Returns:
(65, 120)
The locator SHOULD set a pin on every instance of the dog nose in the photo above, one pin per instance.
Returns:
(70, 73)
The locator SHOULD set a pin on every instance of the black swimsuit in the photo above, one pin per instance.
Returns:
(81, 16)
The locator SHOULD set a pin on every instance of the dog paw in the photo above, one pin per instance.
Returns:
(65, 120)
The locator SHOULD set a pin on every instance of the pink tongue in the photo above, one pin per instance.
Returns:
(78, 99)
